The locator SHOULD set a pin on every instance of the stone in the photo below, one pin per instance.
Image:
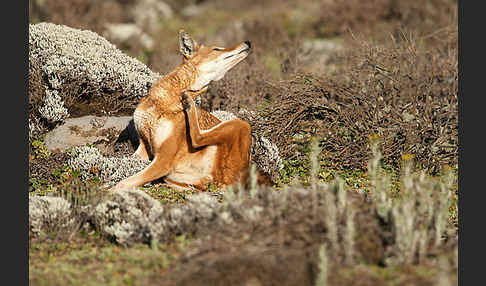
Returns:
(121, 33)
(148, 14)
(90, 130)
(315, 54)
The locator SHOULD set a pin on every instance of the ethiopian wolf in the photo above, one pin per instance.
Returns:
(188, 146)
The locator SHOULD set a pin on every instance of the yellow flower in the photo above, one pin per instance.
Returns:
(94, 170)
(373, 137)
(408, 157)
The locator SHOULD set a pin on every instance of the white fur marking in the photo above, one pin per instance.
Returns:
(162, 132)
(212, 128)
(215, 69)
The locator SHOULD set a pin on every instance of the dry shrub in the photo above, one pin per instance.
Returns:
(242, 87)
(306, 227)
(405, 94)
(81, 14)
(380, 17)
(49, 215)
(36, 89)
(110, 170)
(62, 214)
(36, 96)
(337, 17)
(43, 169)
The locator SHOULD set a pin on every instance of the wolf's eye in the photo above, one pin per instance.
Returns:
(218, 49)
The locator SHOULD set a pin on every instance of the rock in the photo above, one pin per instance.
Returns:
(121, 33)
(147, 14)
(90, 130)
(192, 10)
(321, 46)
(316, 53)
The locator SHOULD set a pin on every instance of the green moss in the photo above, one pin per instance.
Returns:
(166, 195)
(38, 149)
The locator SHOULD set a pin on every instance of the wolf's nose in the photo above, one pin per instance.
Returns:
(248, 43)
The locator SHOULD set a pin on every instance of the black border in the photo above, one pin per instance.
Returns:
(470, 92)
(14, 210)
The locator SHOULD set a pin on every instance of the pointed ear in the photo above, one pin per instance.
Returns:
(187, 45)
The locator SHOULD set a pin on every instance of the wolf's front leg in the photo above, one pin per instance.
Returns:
(226, 132)
(160, 166)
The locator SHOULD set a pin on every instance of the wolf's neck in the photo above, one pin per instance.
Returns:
(168, 90)
(179, 80)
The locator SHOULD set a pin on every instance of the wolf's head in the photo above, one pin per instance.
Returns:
(211, 62)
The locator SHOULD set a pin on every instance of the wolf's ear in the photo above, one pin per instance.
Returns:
(187, 45)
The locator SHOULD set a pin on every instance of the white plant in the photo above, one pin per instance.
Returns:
(111, 169)
(49, 214)
(53, 108)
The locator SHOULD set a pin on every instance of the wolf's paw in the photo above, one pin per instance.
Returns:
(187, 101)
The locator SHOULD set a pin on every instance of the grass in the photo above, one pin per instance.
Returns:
(166, 195)
(89, 261)
(94, 263)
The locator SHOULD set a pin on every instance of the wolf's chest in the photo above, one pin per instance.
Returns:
(155, 130)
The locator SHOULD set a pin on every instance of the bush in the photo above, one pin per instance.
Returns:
(380, 18)
(401, 230)
(49, 215)
(70, 65)
(262, 232)
(79, 14)
(111, 170)
(402, 93)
